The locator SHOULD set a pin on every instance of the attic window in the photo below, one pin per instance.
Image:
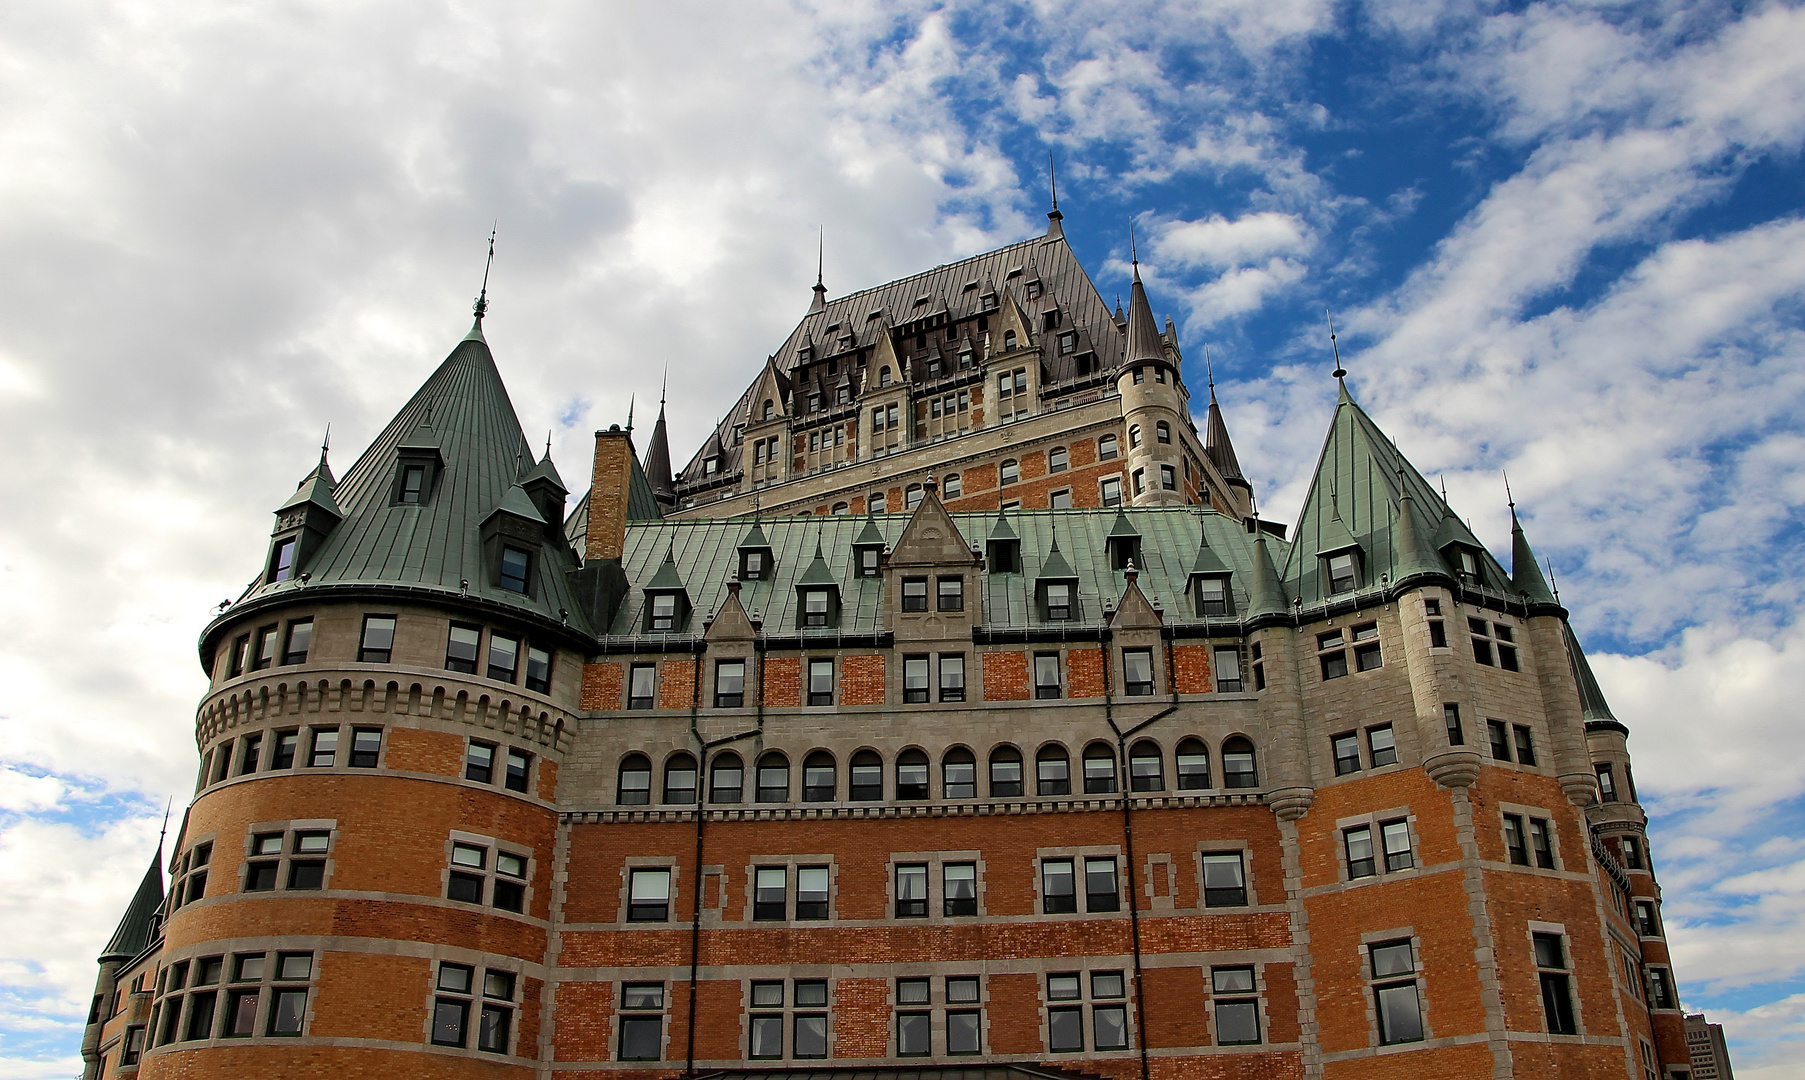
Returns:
(802, 354)
(516, 564)
(1466, 563)
(1059, 602)
(878, 314)
(1068, 342)
(922, 299)
(1014, 271)
(282, 563)
(413, 483)
(988, 302)
(970, 285)
(817, 607)
(1343, 568)
(414, 478)
(769, 408)
(710, 466)
(1033, 289)
(1213, 596)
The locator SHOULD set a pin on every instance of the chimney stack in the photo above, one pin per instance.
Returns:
(608, 480)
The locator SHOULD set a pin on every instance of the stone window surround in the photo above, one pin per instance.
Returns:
(1531, 928)
(1373, 937)
(788, 976)
(650, 862)
(1084, 966)
(495, 846)
(937, 1007)
(1373, 820)
(616, 1015)
(1224, 847)
(1078, 854)
(934, 860)
(1525, 811)
(790, 863)
(179, 884)
(288, 829)
(479, 963)
(228, 949)
(1259, 990)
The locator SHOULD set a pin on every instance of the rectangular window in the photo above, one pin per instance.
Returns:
(1212, 596)
(812, 892)
(479, 762)
(282, 563)
(264, 655)
(770, 893)
(300, 636)
(1046, 675)
(1331, 656)
(1228, 669)
(915, 679)
(1237, 1017)
(250, 749)
(664, 612)
(504, 657)
(1382, 745)
(1399, 1009)
(951, 594)
(1557, 996)
(729, 684)
(462, 648)
(1526, 751)
(1632, 853)
(1058, 890)
(959, 888)
(378, 641)
(1514, 845)
(952, 677)
(366, 747)
(324, 754)
(515, 566)
(241, 648)
(1224, 880)
(1395, 837)
(642, 686)
(287, 744)
(1112, 491)
(1059, 602)
(1101, 892)
(1451, 716)
(641, 1021)
(1137, 672)
(1540, 842)
(915, 594)
(1359, 844)
(1438, 634)
(520, 766)
(821, 682)
(1646, 923)
(1607, 783)
(817, 608)
(1347, 753)
(649, 895)
(912, 891)
(1500, 739)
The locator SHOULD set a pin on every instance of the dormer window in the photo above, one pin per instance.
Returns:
(516, 565)
(1124, 550)
(664, 612)
(802, 354)
(817, 607)
(752, 565)
(1465, 562)
(814, 403)
(965, 359)
(414, 476)
(1005, 557)
(869, 558)
(1068, 343)
(413, 484)
(933, 369)
(883, 375)
(282, 561)
(711, 466)
(770, 408)
(1213, 596)
(1034, 289)
(1343, 571)
(1008, 339)
(1059, 602)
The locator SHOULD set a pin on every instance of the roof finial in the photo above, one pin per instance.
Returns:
(482, 299)
(1053, 181)
(1509, 500)
(819, 303)
(1339, 372)
(1553, 584)
(1210, 370)
(630, 399)
(326, 442)
(663, 385)
(548, 442)
(164, 831)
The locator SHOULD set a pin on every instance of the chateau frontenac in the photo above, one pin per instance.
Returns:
(950, 714)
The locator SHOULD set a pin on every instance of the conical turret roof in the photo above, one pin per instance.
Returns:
(1525, 576)
(463, 412)
(1266, 597)
(138, 925)
(658, 463)
(1055, 567)
(1591, 697)
(1216, 443)
(316, 488)
(1143, 331)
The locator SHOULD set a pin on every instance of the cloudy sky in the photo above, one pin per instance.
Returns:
(1563, 240)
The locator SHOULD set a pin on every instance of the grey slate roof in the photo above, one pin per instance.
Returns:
(706, 553)
(137, 926)
(1049, 258)
(437, 546)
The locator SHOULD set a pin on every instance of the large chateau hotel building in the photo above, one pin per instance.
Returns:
(951, 713)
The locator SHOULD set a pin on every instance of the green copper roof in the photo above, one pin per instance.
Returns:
(545, 470)
(1591, 696)
(818, 572)
(1266, 596)
(1525, 576)
(1354, 499)
(1055, 567)
(1001, 530)
(136, 927)
(667, 579)
(755, 537)
(1207, 561)
(316, 487)
(706, 555)
(870, 535)
(437, 546)
(1123, 527)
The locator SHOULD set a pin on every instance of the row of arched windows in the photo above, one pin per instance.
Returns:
(910, 775)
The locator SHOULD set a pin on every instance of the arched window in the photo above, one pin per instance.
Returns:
(841, 508)
(818, 781)
(876, 502)
(951, 487)
(912, 496)
(1107, 448)
(1009, 472)
(912, 775)
(866, 776)
(1005, 773)
(680, 779)
(1162, 431)
(883, 375)
(1057, 459)
(1099, 769)
(1238, 769)
(959, 774)
(635, 788)
(1146, 768)
(1052, 771)
(773, 778)
(726, 778)
(1008, 339)
(1193, 765)
(1134, 436)
(769, 409)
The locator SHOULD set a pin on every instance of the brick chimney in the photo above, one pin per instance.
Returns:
(612, 472)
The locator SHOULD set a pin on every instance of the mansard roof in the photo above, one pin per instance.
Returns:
(1355, 499)
(462, 410)
(706, 554)
(956, 289)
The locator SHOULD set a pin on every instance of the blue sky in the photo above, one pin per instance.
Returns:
(1563, 240)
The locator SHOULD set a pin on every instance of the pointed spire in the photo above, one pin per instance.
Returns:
(1340, 372)
(1591, 696)
(1414, 556)
(1055, 226)
(1216, 443)
(137, 928)
(481, 307)
(1143, 330)
(658, 461)
(1525, 576)
(819, 303)
(1266, 597)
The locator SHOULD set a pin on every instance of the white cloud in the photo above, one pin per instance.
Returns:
(1217, 241)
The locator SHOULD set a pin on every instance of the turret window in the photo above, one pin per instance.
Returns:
(378, 640)
(282, 563)
(515, 566)
(539, 669)
(264, 655)
(1163, 431)
(300, 636)
(1140, 376)
(462, 648)
(1134, 435)
(504, 657)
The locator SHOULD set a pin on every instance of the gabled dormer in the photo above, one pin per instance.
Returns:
(1124, 543)
(418, 466)
(756, 559)
(1211, 583)
(1003, 548)
(1465, 559)
(868, 551)
(303, 523)
(1056, 588)
(513, 534)
(931, 576)
(667, 607)
(817, 595)
(1343, 561)
(547, 491)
